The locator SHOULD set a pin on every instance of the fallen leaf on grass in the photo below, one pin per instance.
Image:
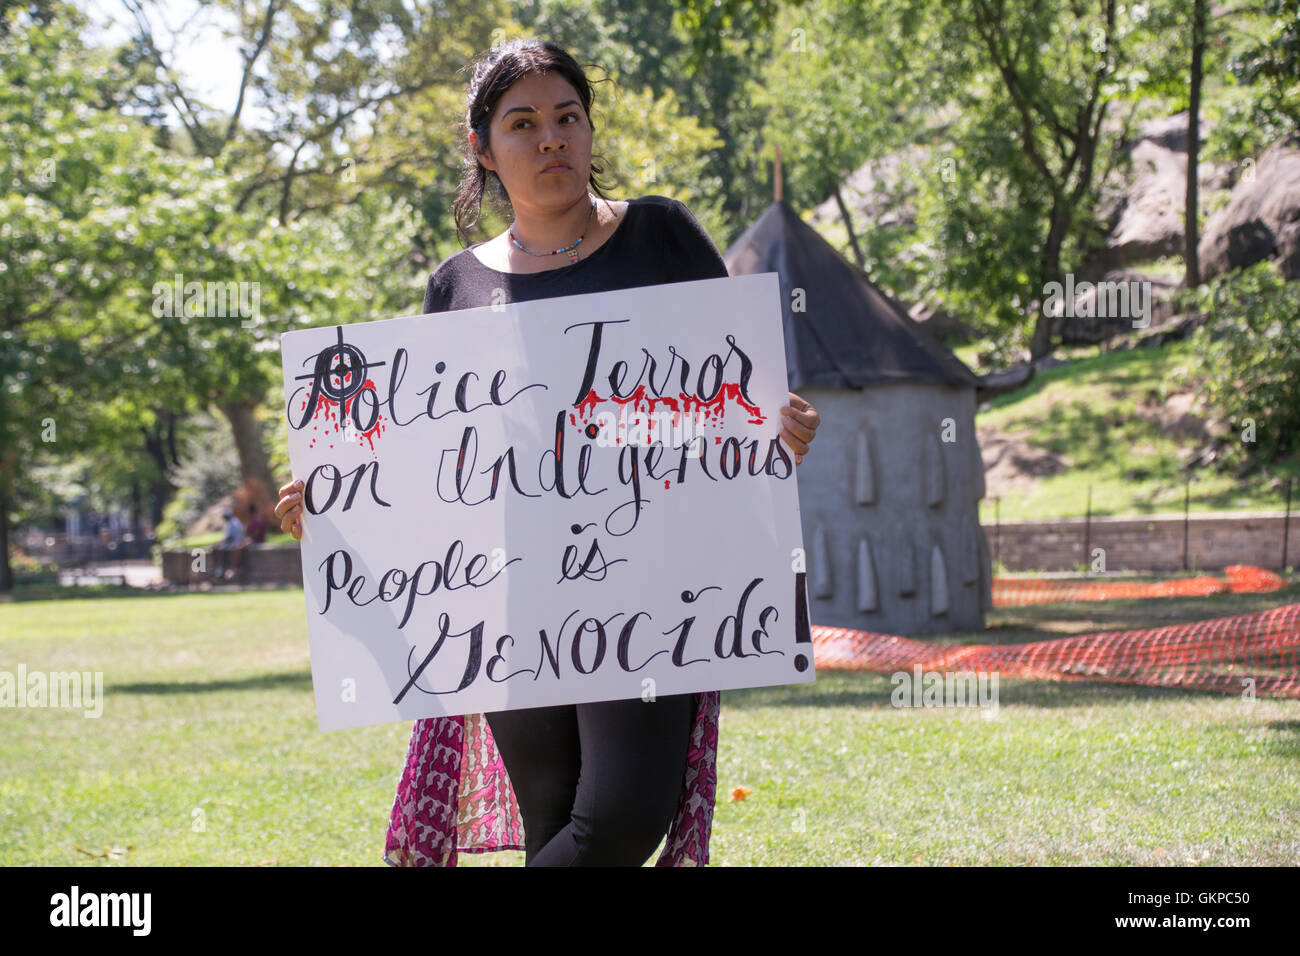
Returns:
(110, 852)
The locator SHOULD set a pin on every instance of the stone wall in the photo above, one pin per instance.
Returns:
(1129, 544)
(276, 565)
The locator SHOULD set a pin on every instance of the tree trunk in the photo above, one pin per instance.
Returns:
(160, 444)
(253, 462)
(160, 493)
(137, 526)
(8, 474)
(1049, 270)
(1041, 342)
(1191, 228)
(6, 572)
(848, 224)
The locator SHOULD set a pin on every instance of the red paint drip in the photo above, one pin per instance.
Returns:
(328, 409)
(714, 409)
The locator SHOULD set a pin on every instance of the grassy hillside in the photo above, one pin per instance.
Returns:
(1122, 422)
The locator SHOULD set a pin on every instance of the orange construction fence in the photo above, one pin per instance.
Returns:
(1238, 579)
(1255, 653)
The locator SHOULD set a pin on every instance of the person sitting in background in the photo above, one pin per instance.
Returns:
(228, 548)
(256, 527)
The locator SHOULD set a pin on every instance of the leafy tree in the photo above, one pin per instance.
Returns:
(1250, 353)
(100, 224)
(1046, 76)
(867, 97)
(82, 205)
(354, 90)
(1270, 62)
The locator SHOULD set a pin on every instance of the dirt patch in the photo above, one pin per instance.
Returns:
(1012, 464)
(1176, 417)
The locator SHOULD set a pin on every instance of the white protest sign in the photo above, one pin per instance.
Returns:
(557, 501)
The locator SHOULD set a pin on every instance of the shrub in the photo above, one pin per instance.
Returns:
(1250, 347)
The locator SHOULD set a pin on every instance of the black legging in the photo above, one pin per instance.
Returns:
(597, 784)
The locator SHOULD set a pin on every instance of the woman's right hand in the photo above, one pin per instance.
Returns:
(289, 509)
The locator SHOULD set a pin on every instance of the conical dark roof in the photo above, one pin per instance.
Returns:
(851, 334)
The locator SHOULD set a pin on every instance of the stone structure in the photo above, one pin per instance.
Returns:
(889, 496)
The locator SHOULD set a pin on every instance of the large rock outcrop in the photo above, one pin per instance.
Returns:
(1261, 219)
(1144, 207)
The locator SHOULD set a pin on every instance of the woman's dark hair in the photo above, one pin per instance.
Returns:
(493, 74)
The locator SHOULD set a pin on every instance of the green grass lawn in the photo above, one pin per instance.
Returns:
(1087, 412)
(207, 752)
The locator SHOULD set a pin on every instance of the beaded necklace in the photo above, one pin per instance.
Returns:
(571, 250)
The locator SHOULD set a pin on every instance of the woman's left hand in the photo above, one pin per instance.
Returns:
(799, 422)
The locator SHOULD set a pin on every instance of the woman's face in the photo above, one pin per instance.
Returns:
(540, 143)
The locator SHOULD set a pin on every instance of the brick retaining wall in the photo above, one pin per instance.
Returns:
(276, 565)
(1152, 543)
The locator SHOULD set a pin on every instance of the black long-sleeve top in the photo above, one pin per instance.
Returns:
(657, 241)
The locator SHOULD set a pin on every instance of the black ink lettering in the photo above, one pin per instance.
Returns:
(395, 376)
(593, 355)
(472, 661)
(625, 639)
(746, 366)
(309, 492)
(628, 474)
(372, 401)
(754, 469)
(716, 364)
(737, 650)
(514, 478)
(730, 453)
(331, 474)
(769, 466)
(600, 643)
(462, 482)
(762, 630)
(618, 372)
(685, 627)
(552, 653)
(460, 393)
(498, 656)
(567, 572)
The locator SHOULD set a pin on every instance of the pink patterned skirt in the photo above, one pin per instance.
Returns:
(454, 795)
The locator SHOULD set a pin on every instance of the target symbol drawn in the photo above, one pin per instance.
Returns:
(338, 375)
(340, 369)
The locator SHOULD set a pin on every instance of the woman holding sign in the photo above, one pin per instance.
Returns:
(594, 784)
